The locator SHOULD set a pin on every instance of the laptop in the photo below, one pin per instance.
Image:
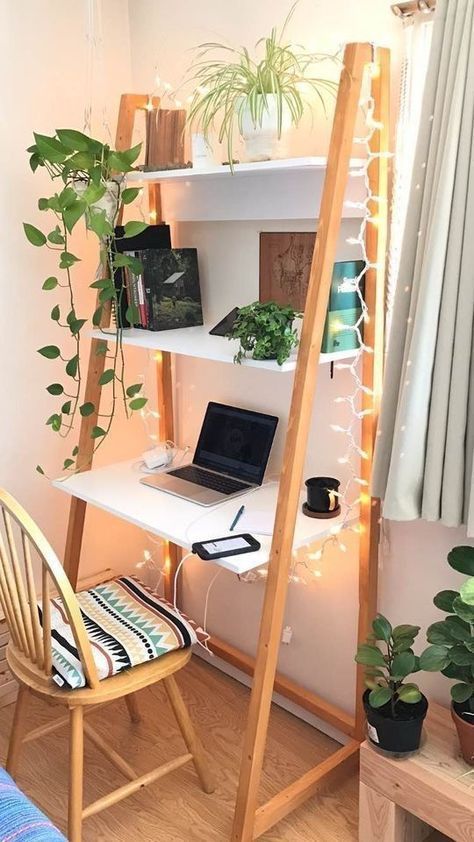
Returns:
(231, 457)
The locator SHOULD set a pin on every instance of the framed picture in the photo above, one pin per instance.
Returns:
(285, 263)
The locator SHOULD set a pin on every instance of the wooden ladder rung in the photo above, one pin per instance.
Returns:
(295, 794)
(128, 789)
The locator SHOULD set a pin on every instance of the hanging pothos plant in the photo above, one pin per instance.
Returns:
(89, 177)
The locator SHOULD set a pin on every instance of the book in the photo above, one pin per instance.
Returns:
(172, 289)
(153, 237)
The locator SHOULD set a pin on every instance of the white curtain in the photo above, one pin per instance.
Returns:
(424, 455)
(417, 31)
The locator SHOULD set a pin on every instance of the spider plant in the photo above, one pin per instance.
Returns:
(232, 85)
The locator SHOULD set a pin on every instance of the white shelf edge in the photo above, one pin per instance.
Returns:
(218, 348)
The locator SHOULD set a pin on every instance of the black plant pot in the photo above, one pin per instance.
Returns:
(397, 736)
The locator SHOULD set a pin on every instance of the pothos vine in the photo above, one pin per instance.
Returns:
(91, 175)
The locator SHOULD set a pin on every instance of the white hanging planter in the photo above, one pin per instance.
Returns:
(109, 202)
(261, 138)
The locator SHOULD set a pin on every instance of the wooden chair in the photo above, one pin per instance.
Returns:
(29, 656)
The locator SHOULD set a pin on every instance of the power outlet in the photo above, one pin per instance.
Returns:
(287, 634)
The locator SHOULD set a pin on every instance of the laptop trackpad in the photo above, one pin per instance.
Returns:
(182, 488)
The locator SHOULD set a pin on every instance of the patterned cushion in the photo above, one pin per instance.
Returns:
(126, 624)
(20, 820)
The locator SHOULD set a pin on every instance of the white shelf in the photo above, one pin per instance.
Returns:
(289, 188)
(197, 342)
(117, 489)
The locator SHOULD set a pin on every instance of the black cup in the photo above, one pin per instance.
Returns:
(320, 494)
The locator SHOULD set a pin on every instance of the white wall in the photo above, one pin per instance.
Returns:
(413, 567)
(43, 62)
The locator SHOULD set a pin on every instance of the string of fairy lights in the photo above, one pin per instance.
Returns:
(307, 562)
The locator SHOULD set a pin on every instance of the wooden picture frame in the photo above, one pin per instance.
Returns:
(285, 264)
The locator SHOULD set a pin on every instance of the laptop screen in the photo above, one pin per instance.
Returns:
(235, 441)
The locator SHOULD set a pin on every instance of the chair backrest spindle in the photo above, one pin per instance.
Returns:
(18, 597)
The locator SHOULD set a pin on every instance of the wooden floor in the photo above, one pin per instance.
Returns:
(176, 809)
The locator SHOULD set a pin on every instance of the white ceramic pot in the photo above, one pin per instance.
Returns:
(110, 200)
(261, 141)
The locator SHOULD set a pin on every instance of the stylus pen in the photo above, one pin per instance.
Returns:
(236, 519)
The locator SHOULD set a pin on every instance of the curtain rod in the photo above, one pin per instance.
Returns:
(408, 8)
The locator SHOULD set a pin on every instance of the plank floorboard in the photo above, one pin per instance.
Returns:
(175, 809)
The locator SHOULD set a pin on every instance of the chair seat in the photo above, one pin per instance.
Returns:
(127, 625)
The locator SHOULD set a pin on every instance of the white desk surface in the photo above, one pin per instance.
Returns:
(117, 489)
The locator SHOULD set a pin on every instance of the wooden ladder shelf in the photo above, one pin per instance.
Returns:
(250, 819)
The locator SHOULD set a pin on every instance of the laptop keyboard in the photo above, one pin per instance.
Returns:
(217, 482)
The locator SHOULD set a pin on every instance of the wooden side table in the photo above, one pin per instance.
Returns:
(403, 800)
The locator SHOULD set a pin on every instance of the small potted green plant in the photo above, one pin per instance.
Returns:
(261, 96)
(452, 649)
(88, 186)
(395, 708)
(265, 331)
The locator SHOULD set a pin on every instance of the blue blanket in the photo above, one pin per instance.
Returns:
(20, 820)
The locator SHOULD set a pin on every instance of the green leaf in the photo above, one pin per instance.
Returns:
(405, 630)
(101, 349)
(34, 235)
(465, 612)
(132, 315)
(409, 693)
(133, 263)
(86, 409)
(138, 403)
(131, 155)
(76, 325)
(462, 692)
(50, 283)
(35, 161)
(370, 656)
(106, 376)
(55, 389)
(382, 628)
(378, 698)
(134, 390)
(67, 260)
(66, 407)
(102, 283)
(97, 316)
(51, 352)
(402, 644)
(107, 294)
(99, 224)
(77, 141)
(133, 228)
(40, 470)
(439, 634)
(444, 600)
(75, 450)
(461, 656)
(462, 560)
(458, 628)
(50, 149)
(434, 658)
(467, 591)
(55, 313)
(72, 366)
(402, 665)
(97, 432)
(93, 193)
(56, 237)
(129, 194)
(43, 204)
(54, 421)
(67, 464)
(73, 213)
(66, 198)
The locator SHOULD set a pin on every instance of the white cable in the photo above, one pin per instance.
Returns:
(175, 583)
(206, 604)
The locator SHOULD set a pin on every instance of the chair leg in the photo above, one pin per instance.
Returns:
(17, 731)
(132, 705)
(76, 771)
(190, 737)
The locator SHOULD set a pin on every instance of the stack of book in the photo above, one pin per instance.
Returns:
(166, 293)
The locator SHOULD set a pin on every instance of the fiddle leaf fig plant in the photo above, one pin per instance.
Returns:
(452, 639)
(389, 659)
(87, 178)
(266, 331)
